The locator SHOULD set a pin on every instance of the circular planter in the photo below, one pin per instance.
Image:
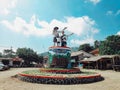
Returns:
(52, 78)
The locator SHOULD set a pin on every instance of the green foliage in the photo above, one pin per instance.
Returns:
(29, 55)
(96, 44)
(86, 47)
(1, 54)
(74, 49)
(9, 53)
(110, 46)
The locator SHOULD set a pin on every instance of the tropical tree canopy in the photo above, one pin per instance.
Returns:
(9, 53)
(110, 46)
(29, 55)
(85, 47)
(96, 44)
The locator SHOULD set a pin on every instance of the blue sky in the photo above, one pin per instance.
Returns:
(29, 23)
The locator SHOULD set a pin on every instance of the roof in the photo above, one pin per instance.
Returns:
(96, 58)
(95, 51)
(17, 59)
(12, 59)
(80, 53)
(5, 58)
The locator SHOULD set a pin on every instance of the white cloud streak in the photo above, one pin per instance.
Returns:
(84, 27)
(93, 1)
(113, 13)
(6, 5)
(80, 42)
(117, 13)
(109, 13)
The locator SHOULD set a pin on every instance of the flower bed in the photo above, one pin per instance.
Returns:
(35, 76)
(60, 71)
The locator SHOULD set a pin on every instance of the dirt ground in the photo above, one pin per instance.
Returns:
(111, 82)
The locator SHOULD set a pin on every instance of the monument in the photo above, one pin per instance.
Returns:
(59, 70)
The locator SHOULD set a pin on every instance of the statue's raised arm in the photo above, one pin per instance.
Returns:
(64, 28)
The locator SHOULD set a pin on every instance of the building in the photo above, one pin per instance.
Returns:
(103, 62)
(17, 62)
(78, 56)
(13, 62)
(6, 61)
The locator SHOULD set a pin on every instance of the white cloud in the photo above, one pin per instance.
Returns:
(117, 13)
(109, 13)
(83, 27)
(6, 5)
(80, 42)
(118, 33)
(113, 13)
(21, 26)
(93, 1)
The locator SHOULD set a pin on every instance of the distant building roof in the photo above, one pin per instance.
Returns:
(95, 51)
(13, 59)
(17, 59)
(96, 58)
(80, 53)
(5, 58)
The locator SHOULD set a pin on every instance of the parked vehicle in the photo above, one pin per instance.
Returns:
(3, 67)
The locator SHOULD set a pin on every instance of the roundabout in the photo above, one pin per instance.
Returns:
(51, 77)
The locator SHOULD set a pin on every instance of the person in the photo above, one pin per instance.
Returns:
(64, 39)
(56, 35)
(57, 38)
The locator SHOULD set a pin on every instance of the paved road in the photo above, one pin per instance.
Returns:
(111, 82)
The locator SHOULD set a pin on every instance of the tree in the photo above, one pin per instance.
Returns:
(1, 54)
(29, 55)
(110, 46)
(9, 53)
(40, 59)
(96, 44)
(86, 47)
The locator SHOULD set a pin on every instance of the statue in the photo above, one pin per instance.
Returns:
(60, 39)
(59, 56)
(56, 34)
(64, 39)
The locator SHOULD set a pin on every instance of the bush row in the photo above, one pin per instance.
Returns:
(64, 81)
